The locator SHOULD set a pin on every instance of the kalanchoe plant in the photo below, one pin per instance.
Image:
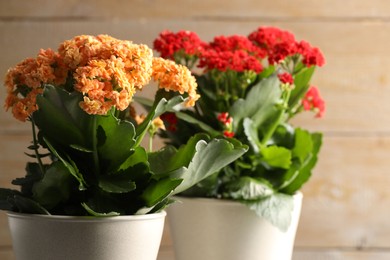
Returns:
(86, 136)
(250, 86)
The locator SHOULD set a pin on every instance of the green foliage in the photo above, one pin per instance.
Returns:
(281, 157)
(98, 167)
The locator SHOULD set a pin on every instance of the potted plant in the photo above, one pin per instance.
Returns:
(251, 87)
(92, 191)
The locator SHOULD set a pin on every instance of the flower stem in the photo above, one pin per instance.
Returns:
(35, 144)
(94, 147)
(275, 124)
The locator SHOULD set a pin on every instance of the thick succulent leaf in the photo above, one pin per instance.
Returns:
(27, 205)
(99, 214)
(115, 140)
(208, 159)
(116, 183)
(247, 188)
(192, 120)
(169, 159)
(301, 82)
(303, 145)
(259, 104)
(5, 195)
(69, 163)
(66, 117)
(278, 157)
(306, 167)
(160, 106)
(158, 190)
(251, 134)
(277, 209)
(54, 187)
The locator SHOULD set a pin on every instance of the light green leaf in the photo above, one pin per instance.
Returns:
(303, 145)
(247, 188)
(251, 133)
(276, 156)
(208, 159)
(259, 104)
(99, 214)
(205, 127)
(277, 209)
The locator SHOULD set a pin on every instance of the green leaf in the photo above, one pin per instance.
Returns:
(303, 145)
(277, 209)
(66, 116)
(205, 127)
(54, 187)
(251, 134)
(99, 214)
(301, 82)
(276, 156)
(305, 168)
(247, 188)
(5, 195)
(259, 104)
(27, 205)
(115, 139)
(208, 158)
(157, 191)
(116, 183)
(70, 164)
(169, 159)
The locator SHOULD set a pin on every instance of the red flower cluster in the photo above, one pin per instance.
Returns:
(239, 61)
(279, 44)
(286, 78)
(314, 101)
(170, 43)
(227, 121)
(171, 121)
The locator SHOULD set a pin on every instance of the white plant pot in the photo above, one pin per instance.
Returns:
(43, 237)
(211, 229)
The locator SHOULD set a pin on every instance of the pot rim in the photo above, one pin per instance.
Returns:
(64, 218)
(181, 199)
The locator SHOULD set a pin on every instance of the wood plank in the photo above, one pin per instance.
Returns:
(355, 81)
(188, 9)
(345, 201)
(340, 254)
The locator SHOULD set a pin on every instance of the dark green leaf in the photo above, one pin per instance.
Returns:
(303, 145)
(99, 214)
(54, 187)
(159, 190)
(26, 205)
(116, 183)
(205, 127)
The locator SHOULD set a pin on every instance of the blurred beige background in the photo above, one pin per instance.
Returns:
(346, 211)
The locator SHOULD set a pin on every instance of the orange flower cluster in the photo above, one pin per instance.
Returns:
(107, 71)
(175, 77)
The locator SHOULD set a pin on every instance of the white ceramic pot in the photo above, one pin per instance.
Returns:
(43, 237)
(211, 229)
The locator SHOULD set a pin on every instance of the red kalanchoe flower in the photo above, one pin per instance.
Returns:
(228, 134)
(286, 78)
(170, 43)
(225, 119)
(311, 55)
(278, 43)
(313, 101)
(239, 61)
(171, 120)
(236, 43)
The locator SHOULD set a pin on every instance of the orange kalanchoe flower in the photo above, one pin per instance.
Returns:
(175, 77)
(107, 71)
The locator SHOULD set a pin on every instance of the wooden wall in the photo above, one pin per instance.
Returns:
(347, 202)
